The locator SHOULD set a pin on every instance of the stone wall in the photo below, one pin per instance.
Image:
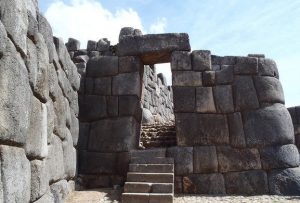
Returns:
(109, 112)
(38, 108)
(157, 99)
(234, 133)
(295, 114)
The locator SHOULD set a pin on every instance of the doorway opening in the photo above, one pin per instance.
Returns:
(158, 128)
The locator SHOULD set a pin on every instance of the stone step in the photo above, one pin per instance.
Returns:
(159, 138)
(151, 144)
(142, 187)
(151, 168)
(147, 198)
(150, 177)
(152, 160)
(146, 131)
(157, 152)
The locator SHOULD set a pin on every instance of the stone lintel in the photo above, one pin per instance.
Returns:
(153, 48)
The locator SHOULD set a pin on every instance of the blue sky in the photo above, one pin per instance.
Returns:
(226, 27)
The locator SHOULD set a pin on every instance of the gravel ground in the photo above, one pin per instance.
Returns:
(113, 196)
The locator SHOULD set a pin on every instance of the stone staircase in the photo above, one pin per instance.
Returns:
(158, 135)
(150, 178)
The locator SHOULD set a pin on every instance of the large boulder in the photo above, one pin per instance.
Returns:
(153, 48)
(212, 184)
(232, 159)
(285, 182)
(205, 159)
(286, 156)
(39, 179)
(271, 125)
(127, 84)
(69, 154)
(15, 101)
(15, 175)
(183, 159)
(37, 62)
(13, 15)
(201, 129)
(269, 90)
(55, 160)
(253, 182)
(244, 93)
(36, 142)
(113, 135)
(95, 163)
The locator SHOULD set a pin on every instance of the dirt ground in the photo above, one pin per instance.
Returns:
(114, 196)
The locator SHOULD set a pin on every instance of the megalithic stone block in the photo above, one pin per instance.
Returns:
(269, 90)
(113, 135)
(268, 126)
(153, 48)
(254, 182)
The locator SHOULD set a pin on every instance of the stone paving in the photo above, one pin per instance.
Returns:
(113, 196)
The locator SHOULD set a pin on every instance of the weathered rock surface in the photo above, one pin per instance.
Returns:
(14, 85)
(55, 160)
(15, 175)
(205, 159)
(267, 67)
(246, 65)
(39, 179)
(36, 142)
(153, 48)
(245, 93)
(286, 156)
(201, 60)
(201, 129)
(126, 84)
(183, 159)
(269, 90)
(37, 64)
(231, 159)
(205, 102)
(223, 99)
(204, 184)
(60, 190)
(14, 18)
(268, 126)
(69, 156)
(92, 107)
(95, 163)
(113, 135)
(102, 66)
(236, 130)
(247, 182)
(181, 60)
(186, 78)
(184, 99)
(285, 182)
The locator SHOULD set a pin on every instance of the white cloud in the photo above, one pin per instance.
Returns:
(89, 20)
(158, 26)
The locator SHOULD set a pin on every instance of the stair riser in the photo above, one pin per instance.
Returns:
(162, 188)
(147, 198)
(151, 178)
(148, 153)
(135, 198)
(147, 168)
(156, 160)
(157, 198)
(137, 188)
(148, 188)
